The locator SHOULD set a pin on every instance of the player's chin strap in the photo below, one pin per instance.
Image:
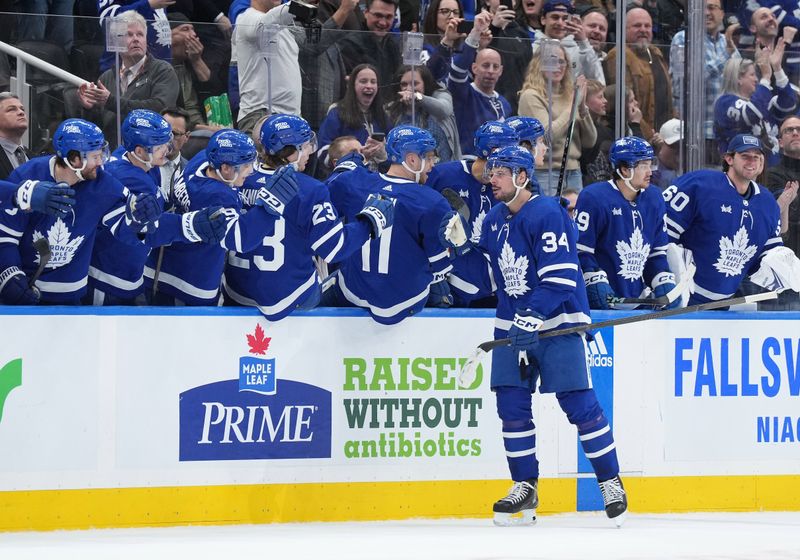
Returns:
(237, 170)
(78, 170)
(627, 180)
(518, 188)
(149, 163)
(418, 173)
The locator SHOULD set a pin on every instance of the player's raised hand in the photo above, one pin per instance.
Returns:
(208, 225)
(379, 214)
(281, 188)
(45, 197)
(142, 208)
(454, 233)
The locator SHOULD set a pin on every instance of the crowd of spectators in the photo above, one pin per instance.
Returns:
(345, 73)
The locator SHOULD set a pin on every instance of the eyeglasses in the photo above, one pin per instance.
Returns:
(712, 7)
(789, 130)
(181, 134)
(448, 12)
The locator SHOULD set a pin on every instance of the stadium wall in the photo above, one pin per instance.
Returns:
(120, 417)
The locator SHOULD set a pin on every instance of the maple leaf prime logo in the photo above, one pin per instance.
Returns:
(257, 374)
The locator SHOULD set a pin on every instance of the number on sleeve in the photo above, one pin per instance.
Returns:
(550, 243)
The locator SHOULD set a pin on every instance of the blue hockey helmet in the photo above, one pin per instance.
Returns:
(78, 135)
(406, 139)
(528, 128)
(279, 131)
(145, 128)
(232, 147)
(493, 135)
(513, 157)
(628, 151)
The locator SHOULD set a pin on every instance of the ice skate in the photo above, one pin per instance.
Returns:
(519, 507)
(614, 499)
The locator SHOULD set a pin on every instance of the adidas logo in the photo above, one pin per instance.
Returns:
(600, 356)
(388, 188)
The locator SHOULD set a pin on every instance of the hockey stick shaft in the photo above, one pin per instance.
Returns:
(567, 141)
(456, 202)
(663, 300)
(490, 344)
(43, 248)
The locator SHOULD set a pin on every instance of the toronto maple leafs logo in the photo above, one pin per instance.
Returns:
(632, 256)
(734, 253)
(161, 27)
(514, 270)
(477, 227)
(62, 248)
(257, 374)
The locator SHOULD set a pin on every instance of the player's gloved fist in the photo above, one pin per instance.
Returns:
(280, 190)
(379, 213)
(454, 233)
(45, 197)
(524, 331)
(662, 285)
(598, 289)
(440, 295)
(208, 225)
(350, 161)
(142, 208)
(15, 289)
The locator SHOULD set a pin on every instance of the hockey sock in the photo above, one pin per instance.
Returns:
(519, 432)
(594, 431)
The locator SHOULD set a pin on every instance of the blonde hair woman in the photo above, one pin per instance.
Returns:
(533, 103)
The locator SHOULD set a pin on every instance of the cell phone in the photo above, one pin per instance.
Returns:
(465, 26)
(379, 136)
(507, 3)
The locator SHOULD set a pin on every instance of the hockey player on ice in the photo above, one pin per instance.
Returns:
(531, 242)
(622, 244)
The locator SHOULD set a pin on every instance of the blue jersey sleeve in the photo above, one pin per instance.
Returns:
(657, 260)
(681, 205)
(329, 237)
(591, 218)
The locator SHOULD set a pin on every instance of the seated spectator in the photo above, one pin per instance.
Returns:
(191, 69)
(633, 122)
(595, 27)
(782, 180)
(145, 83)
(157, 26)
(511, 40)
(169, 173)
(476, 102)
(433, 109)
(359, 113)
(534, 101)
(646, 72)
(752, 107)
(594, 160)
(441, 37)
(668, 153)
(13, 125)
(376, 45)
(560, 22)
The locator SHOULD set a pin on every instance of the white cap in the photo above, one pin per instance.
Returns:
(671, 131)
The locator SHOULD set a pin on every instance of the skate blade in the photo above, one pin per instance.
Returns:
(620, 519)
(525, 517)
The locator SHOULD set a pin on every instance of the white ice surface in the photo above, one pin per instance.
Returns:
(582, 536)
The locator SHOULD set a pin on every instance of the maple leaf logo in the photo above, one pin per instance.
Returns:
(633, 256)
(734, 254)
(477, 227)
(160, 24)
(62, 248)
(257, 342)
(514, 271)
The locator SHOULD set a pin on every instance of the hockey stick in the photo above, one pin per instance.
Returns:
(43, 248)
(567, 141)
(659, 301)
(456, 202)
(469, 369)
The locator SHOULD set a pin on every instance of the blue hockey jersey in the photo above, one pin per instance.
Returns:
(281, 274)
(100, 203)
(391, 275)
(116, 268)
(726, 232)
(7, 193)
(471, 277)
(627, 240)
(535, 263)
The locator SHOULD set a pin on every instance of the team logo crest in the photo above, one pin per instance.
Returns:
(632, 256)
(477, 227)
(734, 253)
(61, 246)
(514, 270)
(257, 374)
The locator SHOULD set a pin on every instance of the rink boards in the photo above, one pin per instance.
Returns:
(120, 417)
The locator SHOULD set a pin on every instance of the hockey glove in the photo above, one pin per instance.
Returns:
(281, 188)
(597, 289)
(142, 209)
(349, 162)
(440, 295)
(15, 289)
(779, 270)
(208, 225)
(379, 213)
(662, 285)
(45, 197)
(524, 335)
(454, 233)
